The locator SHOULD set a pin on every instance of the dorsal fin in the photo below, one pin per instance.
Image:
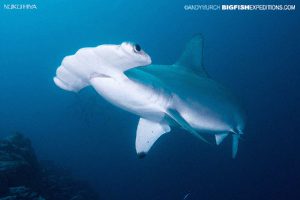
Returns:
(192, 56)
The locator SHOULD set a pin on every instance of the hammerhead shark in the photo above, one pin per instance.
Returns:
(163, 96)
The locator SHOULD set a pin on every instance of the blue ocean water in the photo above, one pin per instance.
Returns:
(255, 54)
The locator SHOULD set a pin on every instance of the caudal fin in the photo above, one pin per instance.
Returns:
(235, 144)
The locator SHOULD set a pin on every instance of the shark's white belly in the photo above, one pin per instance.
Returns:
(142, 100)
(201, 117)
(211, 114)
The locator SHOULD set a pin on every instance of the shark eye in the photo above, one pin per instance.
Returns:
(137, 48)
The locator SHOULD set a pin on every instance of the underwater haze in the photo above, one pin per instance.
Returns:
(254, 53)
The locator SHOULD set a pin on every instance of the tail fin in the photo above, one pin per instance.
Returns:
(235, 144)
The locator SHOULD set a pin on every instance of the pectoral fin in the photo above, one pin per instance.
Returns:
(147, 133)
(173, 114)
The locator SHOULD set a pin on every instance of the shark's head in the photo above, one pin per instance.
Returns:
(134, 54)
(107, 60)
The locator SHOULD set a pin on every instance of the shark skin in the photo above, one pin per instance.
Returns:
(163, 96)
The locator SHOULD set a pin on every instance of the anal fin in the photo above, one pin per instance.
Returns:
(220, 137)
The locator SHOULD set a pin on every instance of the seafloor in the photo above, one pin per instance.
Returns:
(24, 177)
